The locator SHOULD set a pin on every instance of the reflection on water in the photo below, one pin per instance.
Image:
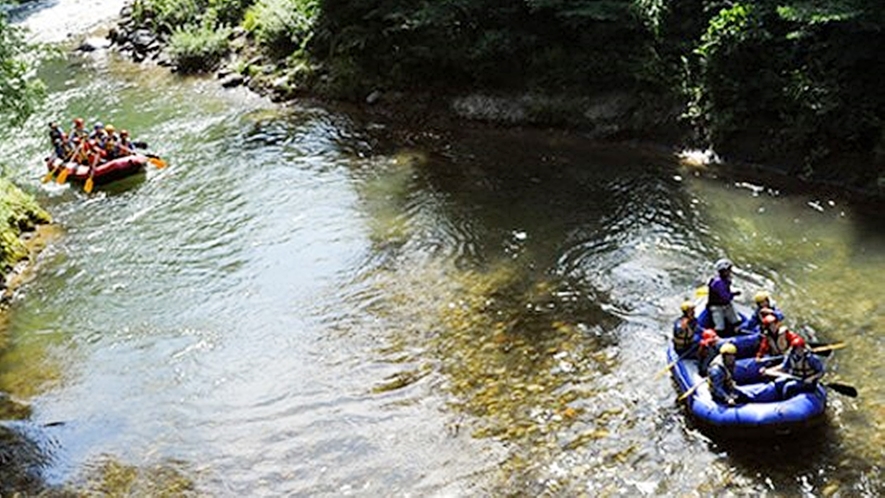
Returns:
(311, 302)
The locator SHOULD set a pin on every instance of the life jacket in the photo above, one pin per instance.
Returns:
(802, 367)
(683, 333)
(727, 379)
(82, 151)
(125, 146)
(77, 134)
(110, 144)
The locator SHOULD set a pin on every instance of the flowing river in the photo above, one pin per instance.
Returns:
(309, 301)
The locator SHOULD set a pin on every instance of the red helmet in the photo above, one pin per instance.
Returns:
(124, 133)
(798, 342)
(78, 122)
(708, 337)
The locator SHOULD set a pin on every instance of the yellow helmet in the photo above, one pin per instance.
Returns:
(686, 305)
(109, 128)
(761, 296)
(728, 348)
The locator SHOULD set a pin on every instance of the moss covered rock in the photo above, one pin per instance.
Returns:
(19, 213)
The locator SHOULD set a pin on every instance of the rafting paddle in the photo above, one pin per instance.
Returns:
(824, 350)
(844, 389)
(156, 161)
(63, 176)
(152, 158)
(48, 176)
(691, 390)
(677, 360)
(87, 187)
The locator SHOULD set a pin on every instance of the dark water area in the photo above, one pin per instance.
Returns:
(313, 301)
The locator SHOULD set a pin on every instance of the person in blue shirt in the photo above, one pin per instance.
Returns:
(721, 377)
(720, 299)
(800, 371)
(764, 307)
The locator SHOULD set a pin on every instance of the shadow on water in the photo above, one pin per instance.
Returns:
(813, 460)
(21, 460)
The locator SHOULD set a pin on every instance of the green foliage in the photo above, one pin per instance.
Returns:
(582, 11)
(817, 12)
(18, 211)
(198, 48)
(168, 15)
(20, 92)
(727, 31)
(566, 45)
(791, 82)
(282, 26)
(229, 12)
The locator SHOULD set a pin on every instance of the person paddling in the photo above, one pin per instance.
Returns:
(776, 339)
(685, 329)
(78, 132)
(803, 370)
(110, 146)
(721, 378)
(708, 347)
(125, 146)
(764, 306)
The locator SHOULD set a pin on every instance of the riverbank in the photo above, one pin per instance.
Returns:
(25, 228)
(614, 114)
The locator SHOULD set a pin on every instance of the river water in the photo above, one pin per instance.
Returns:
(309, 301)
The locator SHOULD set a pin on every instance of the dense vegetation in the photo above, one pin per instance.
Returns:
(791, 82)
(19, 92)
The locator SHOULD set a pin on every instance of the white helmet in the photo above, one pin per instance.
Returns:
(723, 264)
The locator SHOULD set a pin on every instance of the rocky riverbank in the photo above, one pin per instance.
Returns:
(613, 115)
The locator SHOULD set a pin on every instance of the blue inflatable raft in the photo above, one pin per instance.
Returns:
(766, 415)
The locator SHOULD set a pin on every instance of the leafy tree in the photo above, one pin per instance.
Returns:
(19, 91)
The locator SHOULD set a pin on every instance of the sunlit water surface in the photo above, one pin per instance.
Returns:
(308, 301)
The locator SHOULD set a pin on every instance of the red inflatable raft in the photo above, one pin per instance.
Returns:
(105, 172)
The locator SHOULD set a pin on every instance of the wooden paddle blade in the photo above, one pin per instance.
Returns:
(843, 389)
(156, 161)
(691, 390)
(62, 177)
(664, 370)
(821, 347)
(88, 186)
